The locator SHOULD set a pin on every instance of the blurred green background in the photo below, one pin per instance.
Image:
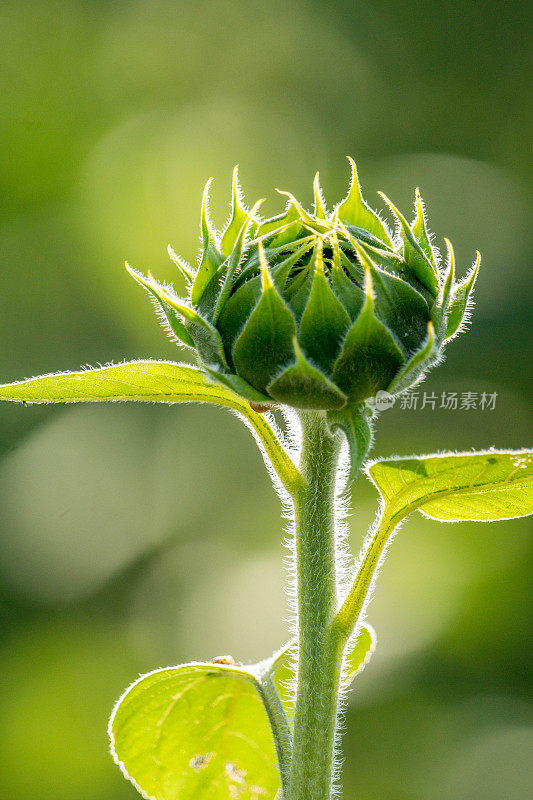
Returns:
(136, 537)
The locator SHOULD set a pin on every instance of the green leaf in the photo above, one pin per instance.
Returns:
(485, 486)
(324, 321)
(459, 302)
(304, 386)
(355, 211)
(478, 487)
(151, 381)
(196, 731)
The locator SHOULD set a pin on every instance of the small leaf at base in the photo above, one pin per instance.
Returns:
(195, 731)
(355, 424)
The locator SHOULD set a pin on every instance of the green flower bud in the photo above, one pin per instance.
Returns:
(316, 310)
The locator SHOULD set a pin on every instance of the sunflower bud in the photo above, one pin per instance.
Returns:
(316, 310)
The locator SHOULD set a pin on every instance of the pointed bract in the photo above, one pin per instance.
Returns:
(439, 310)
(370, 357)
(281, 271)
(401, 308)
(324, 321)
(350, 295)
(320, 205)
(265, 345)
(211, 257)
(460, 301)
(174, 324)
(233, 262)
(449, 278)
(412, 371)
(237, 218)
(312, 223)
(303, 385)
(420, 229)
(283, 229)
(355, 211)
(206, 338)
(185, 269)
(236, 312)
(416, 260)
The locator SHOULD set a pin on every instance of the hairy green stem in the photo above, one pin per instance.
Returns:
(320, 649)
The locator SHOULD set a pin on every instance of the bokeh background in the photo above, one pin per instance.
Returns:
(135, 537)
